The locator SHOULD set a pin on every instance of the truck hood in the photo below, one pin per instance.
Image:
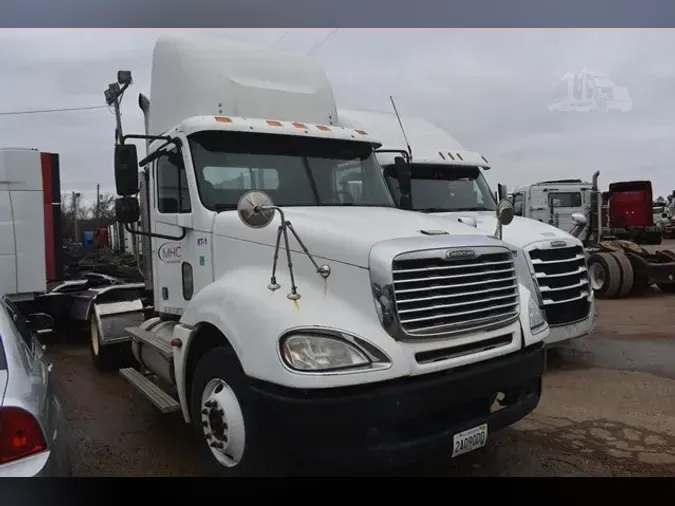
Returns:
(521, 232)
(342, 234)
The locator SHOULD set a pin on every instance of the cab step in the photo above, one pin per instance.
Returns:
(150, 339)
(163, 401)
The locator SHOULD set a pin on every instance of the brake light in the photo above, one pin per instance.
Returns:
(20, 434)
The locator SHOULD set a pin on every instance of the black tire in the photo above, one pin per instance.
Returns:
(611, 272)
(627, 277)
(221, 363)
(640, 274)
(666, 287)
(111, 357)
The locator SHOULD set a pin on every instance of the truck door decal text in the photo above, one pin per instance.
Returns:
(170, 252)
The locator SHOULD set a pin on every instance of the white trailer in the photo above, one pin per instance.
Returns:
(447, 182)
(385, 338)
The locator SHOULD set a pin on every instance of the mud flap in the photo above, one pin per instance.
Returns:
(114, 309)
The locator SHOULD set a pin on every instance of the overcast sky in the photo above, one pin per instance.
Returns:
(489, 88)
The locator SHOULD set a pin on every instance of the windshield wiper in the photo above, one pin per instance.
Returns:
(353, 204)
(224, 207)
(435, 210)
(451, 210)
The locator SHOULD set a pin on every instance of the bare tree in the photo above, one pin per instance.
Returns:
(105, 210)
(72, 209)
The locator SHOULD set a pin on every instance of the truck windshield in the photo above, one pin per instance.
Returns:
(445, 188)
(293, 170)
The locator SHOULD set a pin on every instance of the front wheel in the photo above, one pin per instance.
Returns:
(226, 430)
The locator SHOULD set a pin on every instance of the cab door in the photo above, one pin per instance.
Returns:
(563, 205)
(173, 255)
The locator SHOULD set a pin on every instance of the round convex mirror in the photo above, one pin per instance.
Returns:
(254, 209)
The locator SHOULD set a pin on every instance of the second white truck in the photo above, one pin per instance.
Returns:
(447, 182)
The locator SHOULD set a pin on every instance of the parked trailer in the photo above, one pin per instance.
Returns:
(617, 268)
(32, 262)
(333, 360)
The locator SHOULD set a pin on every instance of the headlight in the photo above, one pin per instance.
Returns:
(304, 352)
(537, 317)
(526, 276)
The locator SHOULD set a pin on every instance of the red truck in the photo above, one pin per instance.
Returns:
(630, 215)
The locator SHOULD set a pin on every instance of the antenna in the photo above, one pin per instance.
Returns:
(393, 104)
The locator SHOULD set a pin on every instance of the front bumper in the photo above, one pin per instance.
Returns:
(400, 421)
(583, 328)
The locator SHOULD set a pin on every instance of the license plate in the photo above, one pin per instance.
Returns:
(469, 440)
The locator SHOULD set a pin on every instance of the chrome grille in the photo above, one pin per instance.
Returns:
(437, 294)
(563, 281)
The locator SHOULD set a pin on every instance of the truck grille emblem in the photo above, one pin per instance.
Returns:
(558, 244)
(460, 253)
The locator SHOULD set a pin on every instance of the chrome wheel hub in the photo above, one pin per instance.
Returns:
(597, 275)
(222, 423)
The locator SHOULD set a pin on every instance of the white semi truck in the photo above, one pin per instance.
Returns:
(387, 336)
(447, 182)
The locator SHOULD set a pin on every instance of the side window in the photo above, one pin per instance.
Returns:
(20, 324)
(172, 188)
(565, 199)
(518, 204)
(348, 182)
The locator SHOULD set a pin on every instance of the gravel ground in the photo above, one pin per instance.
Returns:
(608, 409)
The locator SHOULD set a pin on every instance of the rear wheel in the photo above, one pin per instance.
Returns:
(640, 274)
(110, 357)
(626, 269)
(228, 436)
(605, 275)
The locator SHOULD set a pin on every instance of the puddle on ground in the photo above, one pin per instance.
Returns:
(653, 355)
(623, 442)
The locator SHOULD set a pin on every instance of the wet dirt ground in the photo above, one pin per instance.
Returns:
(608, 409)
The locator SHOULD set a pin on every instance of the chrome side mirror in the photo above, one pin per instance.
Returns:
(505, 215)
(256, 210)
(580, 222)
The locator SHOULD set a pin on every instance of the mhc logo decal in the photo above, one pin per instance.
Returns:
(170, 252)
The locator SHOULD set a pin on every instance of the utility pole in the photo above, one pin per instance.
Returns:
(75, 196)
(98, 205)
